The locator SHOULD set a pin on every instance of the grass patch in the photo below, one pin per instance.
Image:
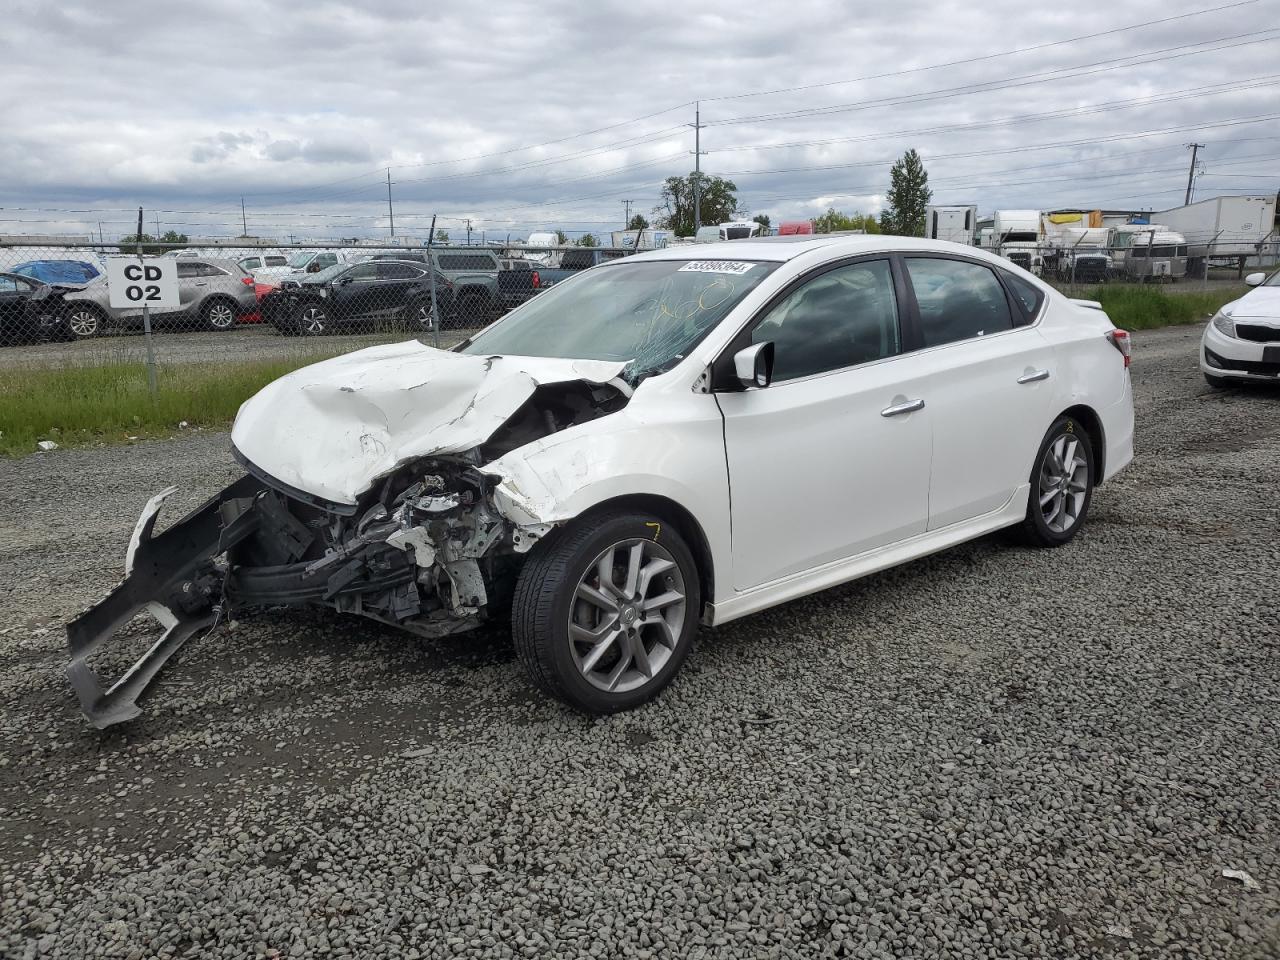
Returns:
(1146, 308)
(110, 403)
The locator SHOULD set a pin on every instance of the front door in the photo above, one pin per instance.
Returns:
(355, 294)
(832, 459)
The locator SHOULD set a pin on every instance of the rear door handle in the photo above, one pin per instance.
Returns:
(1034, 376)
(202, 283)
(907, 406)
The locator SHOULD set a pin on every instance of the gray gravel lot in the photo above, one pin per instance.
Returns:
(993, 752)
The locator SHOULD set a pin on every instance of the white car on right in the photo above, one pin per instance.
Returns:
(1242, 341)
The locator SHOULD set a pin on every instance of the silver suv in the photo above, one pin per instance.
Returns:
(214, 295)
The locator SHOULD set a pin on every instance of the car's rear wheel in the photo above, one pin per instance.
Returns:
(85, 321)
(605, 610)
(311, 320)
(418, 314)
(218, 315)
(1061, 485)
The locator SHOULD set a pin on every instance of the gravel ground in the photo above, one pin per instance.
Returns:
(249, 342)
(992, 752)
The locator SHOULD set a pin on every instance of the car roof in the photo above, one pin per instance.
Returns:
(782, 249)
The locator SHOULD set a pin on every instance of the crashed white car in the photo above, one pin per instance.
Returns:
(679, 437)
(1242, 341)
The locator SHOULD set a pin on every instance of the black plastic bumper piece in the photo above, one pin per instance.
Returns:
(157, 570)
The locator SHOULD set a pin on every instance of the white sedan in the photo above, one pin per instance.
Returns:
(684, 436)
(1242, 341)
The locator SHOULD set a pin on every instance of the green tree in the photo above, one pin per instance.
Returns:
(442, 236)
(718, 200)
(587, 240)
(637, 222)
(170, 241)
(561, 238)
(908, 196)
(835, 220)
(766, 225)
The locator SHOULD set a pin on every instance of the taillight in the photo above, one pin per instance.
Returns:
(247, 281)
(537, 280)
(1120, 340)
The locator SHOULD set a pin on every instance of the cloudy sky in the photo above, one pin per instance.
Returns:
(529, 116)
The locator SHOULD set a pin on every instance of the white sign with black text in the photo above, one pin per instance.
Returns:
(150, 282)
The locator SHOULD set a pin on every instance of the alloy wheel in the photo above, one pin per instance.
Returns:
(83, 323)
(1064, 483)
(221, 316)
(312, 320)
(627, 615)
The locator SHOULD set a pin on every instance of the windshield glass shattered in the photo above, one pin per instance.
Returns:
(649, 313)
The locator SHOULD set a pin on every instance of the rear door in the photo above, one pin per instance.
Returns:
(395, 280)
(991, 383)
(355, 293)
(832, 459)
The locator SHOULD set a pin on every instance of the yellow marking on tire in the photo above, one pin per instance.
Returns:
(657, 529)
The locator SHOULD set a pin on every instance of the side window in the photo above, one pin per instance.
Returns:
(323, 260)
(276, 262)
(209, 270)
(396, 271)
(958, 300)
(188, 270)
(362, 271)
(1028, 295)
(250, 263)
(843, 317)
(8, 285)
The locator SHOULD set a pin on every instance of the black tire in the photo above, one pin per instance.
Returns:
(545, 595)
(85, 321)
(1037, 530)
(310, 320)
(219, 315)
(1217, 383)
(417, 315)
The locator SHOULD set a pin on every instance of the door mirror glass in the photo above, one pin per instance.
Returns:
(1255, 279)
(753, 365)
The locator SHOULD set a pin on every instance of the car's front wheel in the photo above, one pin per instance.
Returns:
(605, 610)
(1061, 485)
(311, 320)
(85, 321)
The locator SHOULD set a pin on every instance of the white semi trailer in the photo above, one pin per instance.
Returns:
(1223, 228)
(1017, 238)
(957, 224)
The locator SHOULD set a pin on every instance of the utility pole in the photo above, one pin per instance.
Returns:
(244, 223)
(626, 216)
(390, 211)
(1191, 176)
(468, 233)
(157, 228)
(697, 166)
(100, 240)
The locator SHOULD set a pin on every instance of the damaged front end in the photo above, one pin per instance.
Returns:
(424, 548)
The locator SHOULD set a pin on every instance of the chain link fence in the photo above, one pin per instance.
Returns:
(267, 302)
(251, 302)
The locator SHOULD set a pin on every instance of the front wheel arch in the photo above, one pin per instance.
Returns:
(684, 521)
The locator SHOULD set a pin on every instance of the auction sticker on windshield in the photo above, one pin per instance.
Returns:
(735, 267)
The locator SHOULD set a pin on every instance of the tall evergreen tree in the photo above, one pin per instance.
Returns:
(908, 196)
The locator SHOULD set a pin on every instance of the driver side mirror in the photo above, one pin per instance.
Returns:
(344, 281)
(1255, 279)
(753, 365)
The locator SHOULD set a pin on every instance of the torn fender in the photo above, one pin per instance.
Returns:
(333, 428)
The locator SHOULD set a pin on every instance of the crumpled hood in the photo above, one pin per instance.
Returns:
(333, 428)
(1260, 302)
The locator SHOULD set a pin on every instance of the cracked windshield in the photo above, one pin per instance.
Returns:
(650, 314)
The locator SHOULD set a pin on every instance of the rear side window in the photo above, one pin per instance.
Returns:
(838, 319)
(398, 271)
(252, 263)
(186, 270)
(958, 300)
(1027, 294)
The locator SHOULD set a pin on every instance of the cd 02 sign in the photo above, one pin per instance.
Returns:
(150, 282)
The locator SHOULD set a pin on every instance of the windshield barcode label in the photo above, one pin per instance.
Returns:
(736, 267)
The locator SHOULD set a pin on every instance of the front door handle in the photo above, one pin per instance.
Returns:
(907, 406)
(202, 283)
(1034, 376)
